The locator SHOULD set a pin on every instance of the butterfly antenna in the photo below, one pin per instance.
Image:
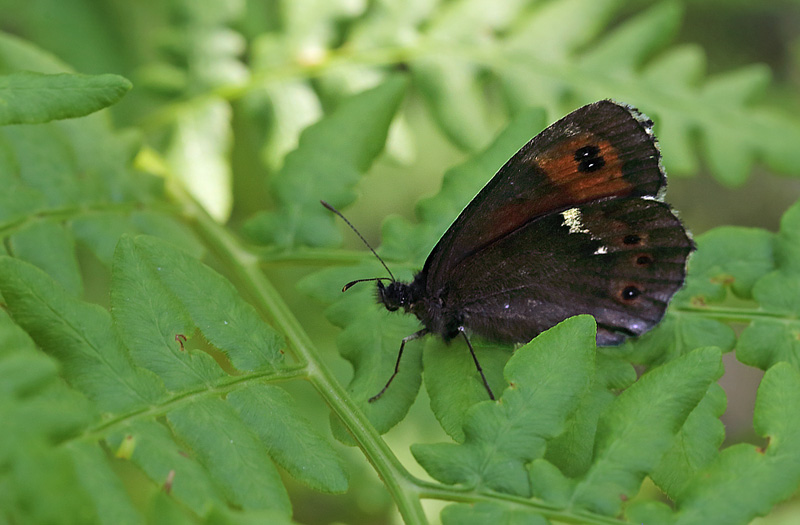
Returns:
(348, 285)
(351, 283)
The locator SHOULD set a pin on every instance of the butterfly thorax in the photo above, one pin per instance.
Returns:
(430, 309)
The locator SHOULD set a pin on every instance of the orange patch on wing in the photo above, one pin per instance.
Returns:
(562, 169)
(570, 186)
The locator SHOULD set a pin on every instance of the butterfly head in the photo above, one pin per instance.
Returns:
(394, 295)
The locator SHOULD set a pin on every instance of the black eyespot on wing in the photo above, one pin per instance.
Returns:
(629, 293)
(589, 159)
(632, 239)
(585, 152)
(644, 260)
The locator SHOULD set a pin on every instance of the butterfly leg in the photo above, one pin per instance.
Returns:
(477, 364)
(415, 335)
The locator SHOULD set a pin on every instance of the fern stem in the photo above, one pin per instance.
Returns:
(736, 315)
(548, 511)
(244, 267)
(226, 385)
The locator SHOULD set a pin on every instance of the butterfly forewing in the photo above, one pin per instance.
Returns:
(603, 150)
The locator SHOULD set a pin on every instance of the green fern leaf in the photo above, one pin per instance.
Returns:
(345, 143)
(716, 493)
(33, 98)
(547, 378)
(634, 434)
(774, 338)
(80, 335)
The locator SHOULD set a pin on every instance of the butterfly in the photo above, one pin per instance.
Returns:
(572, 224)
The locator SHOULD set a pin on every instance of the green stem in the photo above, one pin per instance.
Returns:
(244, 267)
(218, 389)
(735, 314)
(548, 511)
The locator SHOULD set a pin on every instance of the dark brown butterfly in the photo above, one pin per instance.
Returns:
(571, 224)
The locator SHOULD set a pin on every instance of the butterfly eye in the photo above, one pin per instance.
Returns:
(589, 159)
(629, 293)
(643, 259)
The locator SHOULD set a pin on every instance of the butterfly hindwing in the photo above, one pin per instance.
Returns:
(620, 260)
